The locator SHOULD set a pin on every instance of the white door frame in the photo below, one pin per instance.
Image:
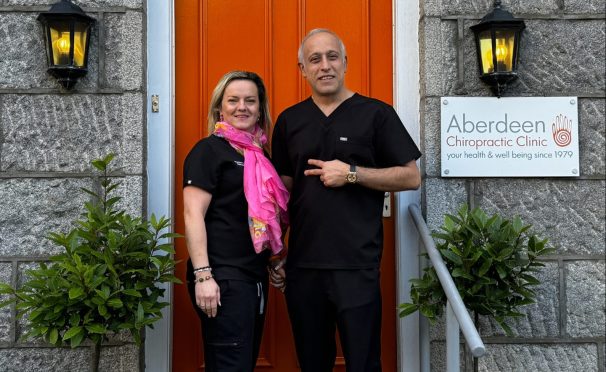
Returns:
(160, 157)
(407, 98)
(160, 163)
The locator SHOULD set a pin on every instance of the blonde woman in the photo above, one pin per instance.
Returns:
(235, 209)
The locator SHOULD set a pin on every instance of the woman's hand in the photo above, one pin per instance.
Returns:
(208, 296)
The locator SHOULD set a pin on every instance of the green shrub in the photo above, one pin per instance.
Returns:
(105, 280)
(492, 261)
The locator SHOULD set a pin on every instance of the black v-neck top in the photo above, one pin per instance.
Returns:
(338, 228)
(216, 167)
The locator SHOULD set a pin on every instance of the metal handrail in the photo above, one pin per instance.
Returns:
(452, 294)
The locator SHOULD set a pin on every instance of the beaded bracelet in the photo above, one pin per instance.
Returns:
(202, 269)
(204, 278)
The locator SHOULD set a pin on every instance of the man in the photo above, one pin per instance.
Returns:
(337, 152)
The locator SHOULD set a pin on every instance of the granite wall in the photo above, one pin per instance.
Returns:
(48, 137)
(562, 54)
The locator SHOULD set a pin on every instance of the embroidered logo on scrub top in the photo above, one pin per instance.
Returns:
(343, 139)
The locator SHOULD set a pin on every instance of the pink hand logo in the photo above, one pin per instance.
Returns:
(561, 130)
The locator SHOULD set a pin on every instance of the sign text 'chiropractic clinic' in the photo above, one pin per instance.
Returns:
(509, 137)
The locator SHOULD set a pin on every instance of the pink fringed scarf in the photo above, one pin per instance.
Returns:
(265, 193)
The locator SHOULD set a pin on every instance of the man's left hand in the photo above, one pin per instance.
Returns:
(332, 173)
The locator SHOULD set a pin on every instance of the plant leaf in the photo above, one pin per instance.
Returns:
(140, 313)
(116, 303)
(451, 256)
(501, 271)
(96, 328)
(77, 340)
(53, 336)
(72, 332)
(75, 292)
(406, 309)
(6, 289)
(460, 272)
(132, 292)
(530, 279)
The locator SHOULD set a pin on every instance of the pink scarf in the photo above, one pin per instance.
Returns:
(265, 193)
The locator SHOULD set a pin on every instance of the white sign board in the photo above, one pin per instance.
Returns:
(509, 137)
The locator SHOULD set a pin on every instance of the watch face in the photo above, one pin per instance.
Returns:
(352, 177)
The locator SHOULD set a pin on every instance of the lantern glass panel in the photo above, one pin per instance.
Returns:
(60, 43)
(80, 39)
(504, 42)
(504, 50)
(486, 51)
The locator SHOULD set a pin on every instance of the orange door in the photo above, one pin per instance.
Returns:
(216, 36)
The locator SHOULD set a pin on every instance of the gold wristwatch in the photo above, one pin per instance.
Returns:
(352, 176)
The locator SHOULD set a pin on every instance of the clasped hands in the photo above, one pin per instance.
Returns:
(332, 173)
(277, 275)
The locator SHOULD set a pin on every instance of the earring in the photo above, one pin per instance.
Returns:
(220, 117)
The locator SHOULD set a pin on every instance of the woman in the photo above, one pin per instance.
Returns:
(235, 208)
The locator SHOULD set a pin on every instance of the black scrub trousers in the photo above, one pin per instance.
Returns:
(229, 345)
(318, 300)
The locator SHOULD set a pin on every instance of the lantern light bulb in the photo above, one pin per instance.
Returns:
(62, 44)
(501, 50)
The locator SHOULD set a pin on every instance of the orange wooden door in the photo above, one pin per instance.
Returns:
(216, 36)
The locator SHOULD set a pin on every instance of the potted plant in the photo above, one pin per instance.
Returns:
(492, 261)
(105, 280)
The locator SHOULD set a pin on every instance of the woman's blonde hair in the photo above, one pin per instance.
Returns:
(214, 106)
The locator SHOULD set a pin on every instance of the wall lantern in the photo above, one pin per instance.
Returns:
(497, 44)
(67, 34)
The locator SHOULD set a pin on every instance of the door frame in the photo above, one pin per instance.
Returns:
(407, 97)
(160, 157)
(160, 163)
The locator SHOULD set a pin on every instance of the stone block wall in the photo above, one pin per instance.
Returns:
(48, 137)
(562, 54)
